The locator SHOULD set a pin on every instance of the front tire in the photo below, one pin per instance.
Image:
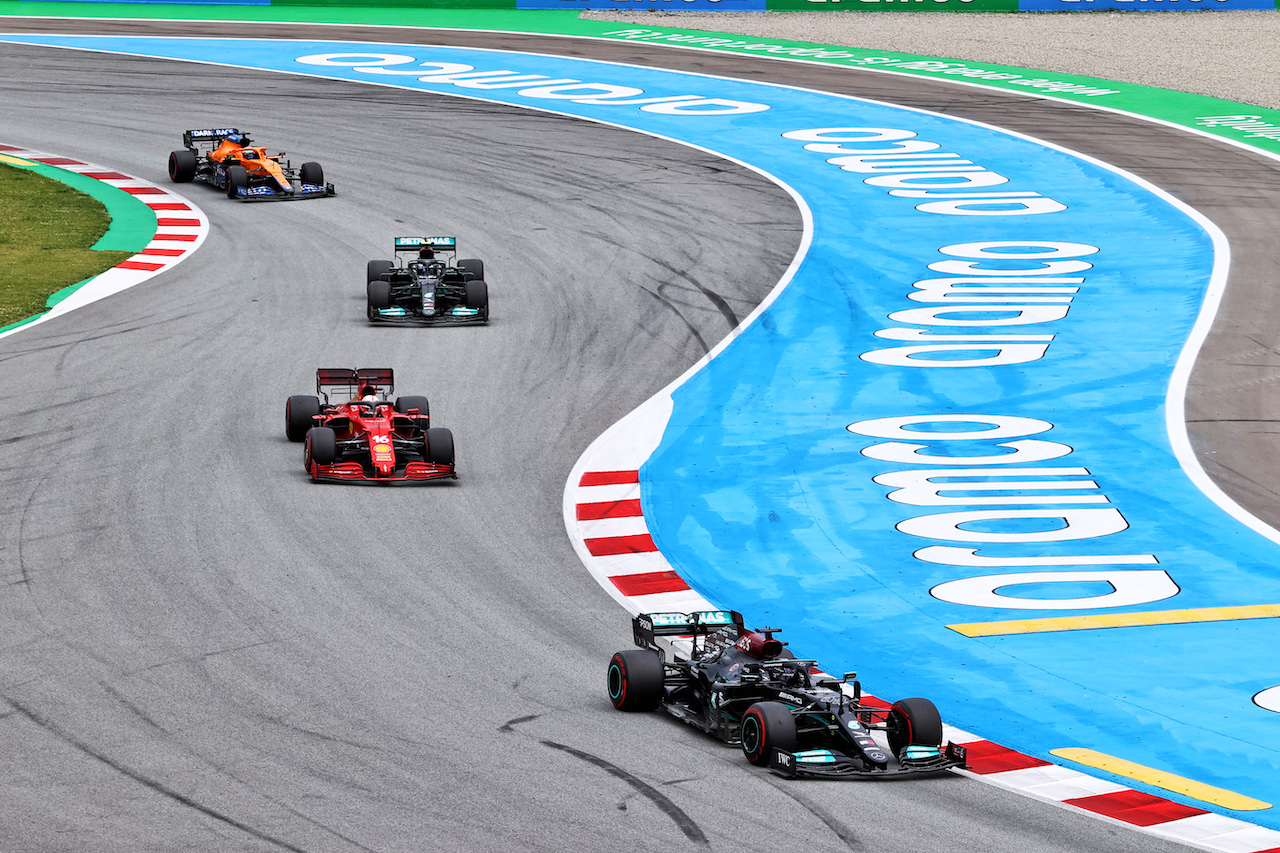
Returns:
(379, 293)
(311, 173)
(321, 447)
(439, 446)
(237, 177)
(477, 295)
(182, 166)
(377, 268)
(767, 726)
(635, 680)
(913, 721)
(299, 414)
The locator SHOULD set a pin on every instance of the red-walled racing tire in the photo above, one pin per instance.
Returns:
(635, 680)
(913, 721)
(766, 726)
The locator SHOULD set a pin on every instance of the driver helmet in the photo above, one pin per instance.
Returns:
(368, 394)
(426, 253)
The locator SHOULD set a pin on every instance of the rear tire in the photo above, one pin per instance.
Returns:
(404, 404)
(377, 268)
(478, 297)
(913, 721)
(237, 177)
(635, 680)
(311, 173)
(299, 412)
(182, 166)
(321, 447)
(474, 266)
(767, 726)
(439, 446)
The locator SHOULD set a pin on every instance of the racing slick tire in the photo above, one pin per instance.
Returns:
(767, 726)
(182, 166)
(404, 404)
(439, 446)
(913, 721)
(635, 680)
(474, 266)
(311, 173)
(477, 293)
(299, 411)
(379, 297)
(322, 446)
(237, 176)
(377, 268)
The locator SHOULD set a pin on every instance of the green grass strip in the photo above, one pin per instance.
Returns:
(58, 229)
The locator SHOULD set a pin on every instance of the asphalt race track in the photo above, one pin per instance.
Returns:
(200, 650)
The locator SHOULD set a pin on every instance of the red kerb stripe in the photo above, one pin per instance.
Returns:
(174, 222)
(59, 161)
(139, 265)
(987, 757)
(609, 478)
(164, 253)
(609, 509)
(109, 176)
(649, 583)
(608, 546)
(176, 238)
(167, 205)
(1135, 807)
(144, 191)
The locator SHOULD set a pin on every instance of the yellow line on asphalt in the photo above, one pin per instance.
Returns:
(1161, 779)
(1116, 620)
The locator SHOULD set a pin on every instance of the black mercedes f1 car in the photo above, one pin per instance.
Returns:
(427, 285)
(746, 688)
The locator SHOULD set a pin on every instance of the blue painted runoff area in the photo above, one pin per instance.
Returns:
(942, 448)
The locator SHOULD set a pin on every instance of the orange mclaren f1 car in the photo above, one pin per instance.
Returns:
(227, 158)
(358, 435)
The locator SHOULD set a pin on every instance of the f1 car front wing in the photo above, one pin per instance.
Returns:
(825, 764)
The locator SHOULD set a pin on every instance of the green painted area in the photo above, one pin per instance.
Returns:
(1255, 126)
(133, 224)
(423, 13)
(56, 225)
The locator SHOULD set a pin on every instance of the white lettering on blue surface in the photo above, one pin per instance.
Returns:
(897, 161)
(1008, 525)
(534, 86)
(991, 284)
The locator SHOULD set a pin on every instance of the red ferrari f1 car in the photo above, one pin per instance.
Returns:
(356, 434)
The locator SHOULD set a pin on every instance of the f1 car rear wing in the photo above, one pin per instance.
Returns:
(439, 245)
(340, 380)
(210, 137)
(648, 626)
(404, 244)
